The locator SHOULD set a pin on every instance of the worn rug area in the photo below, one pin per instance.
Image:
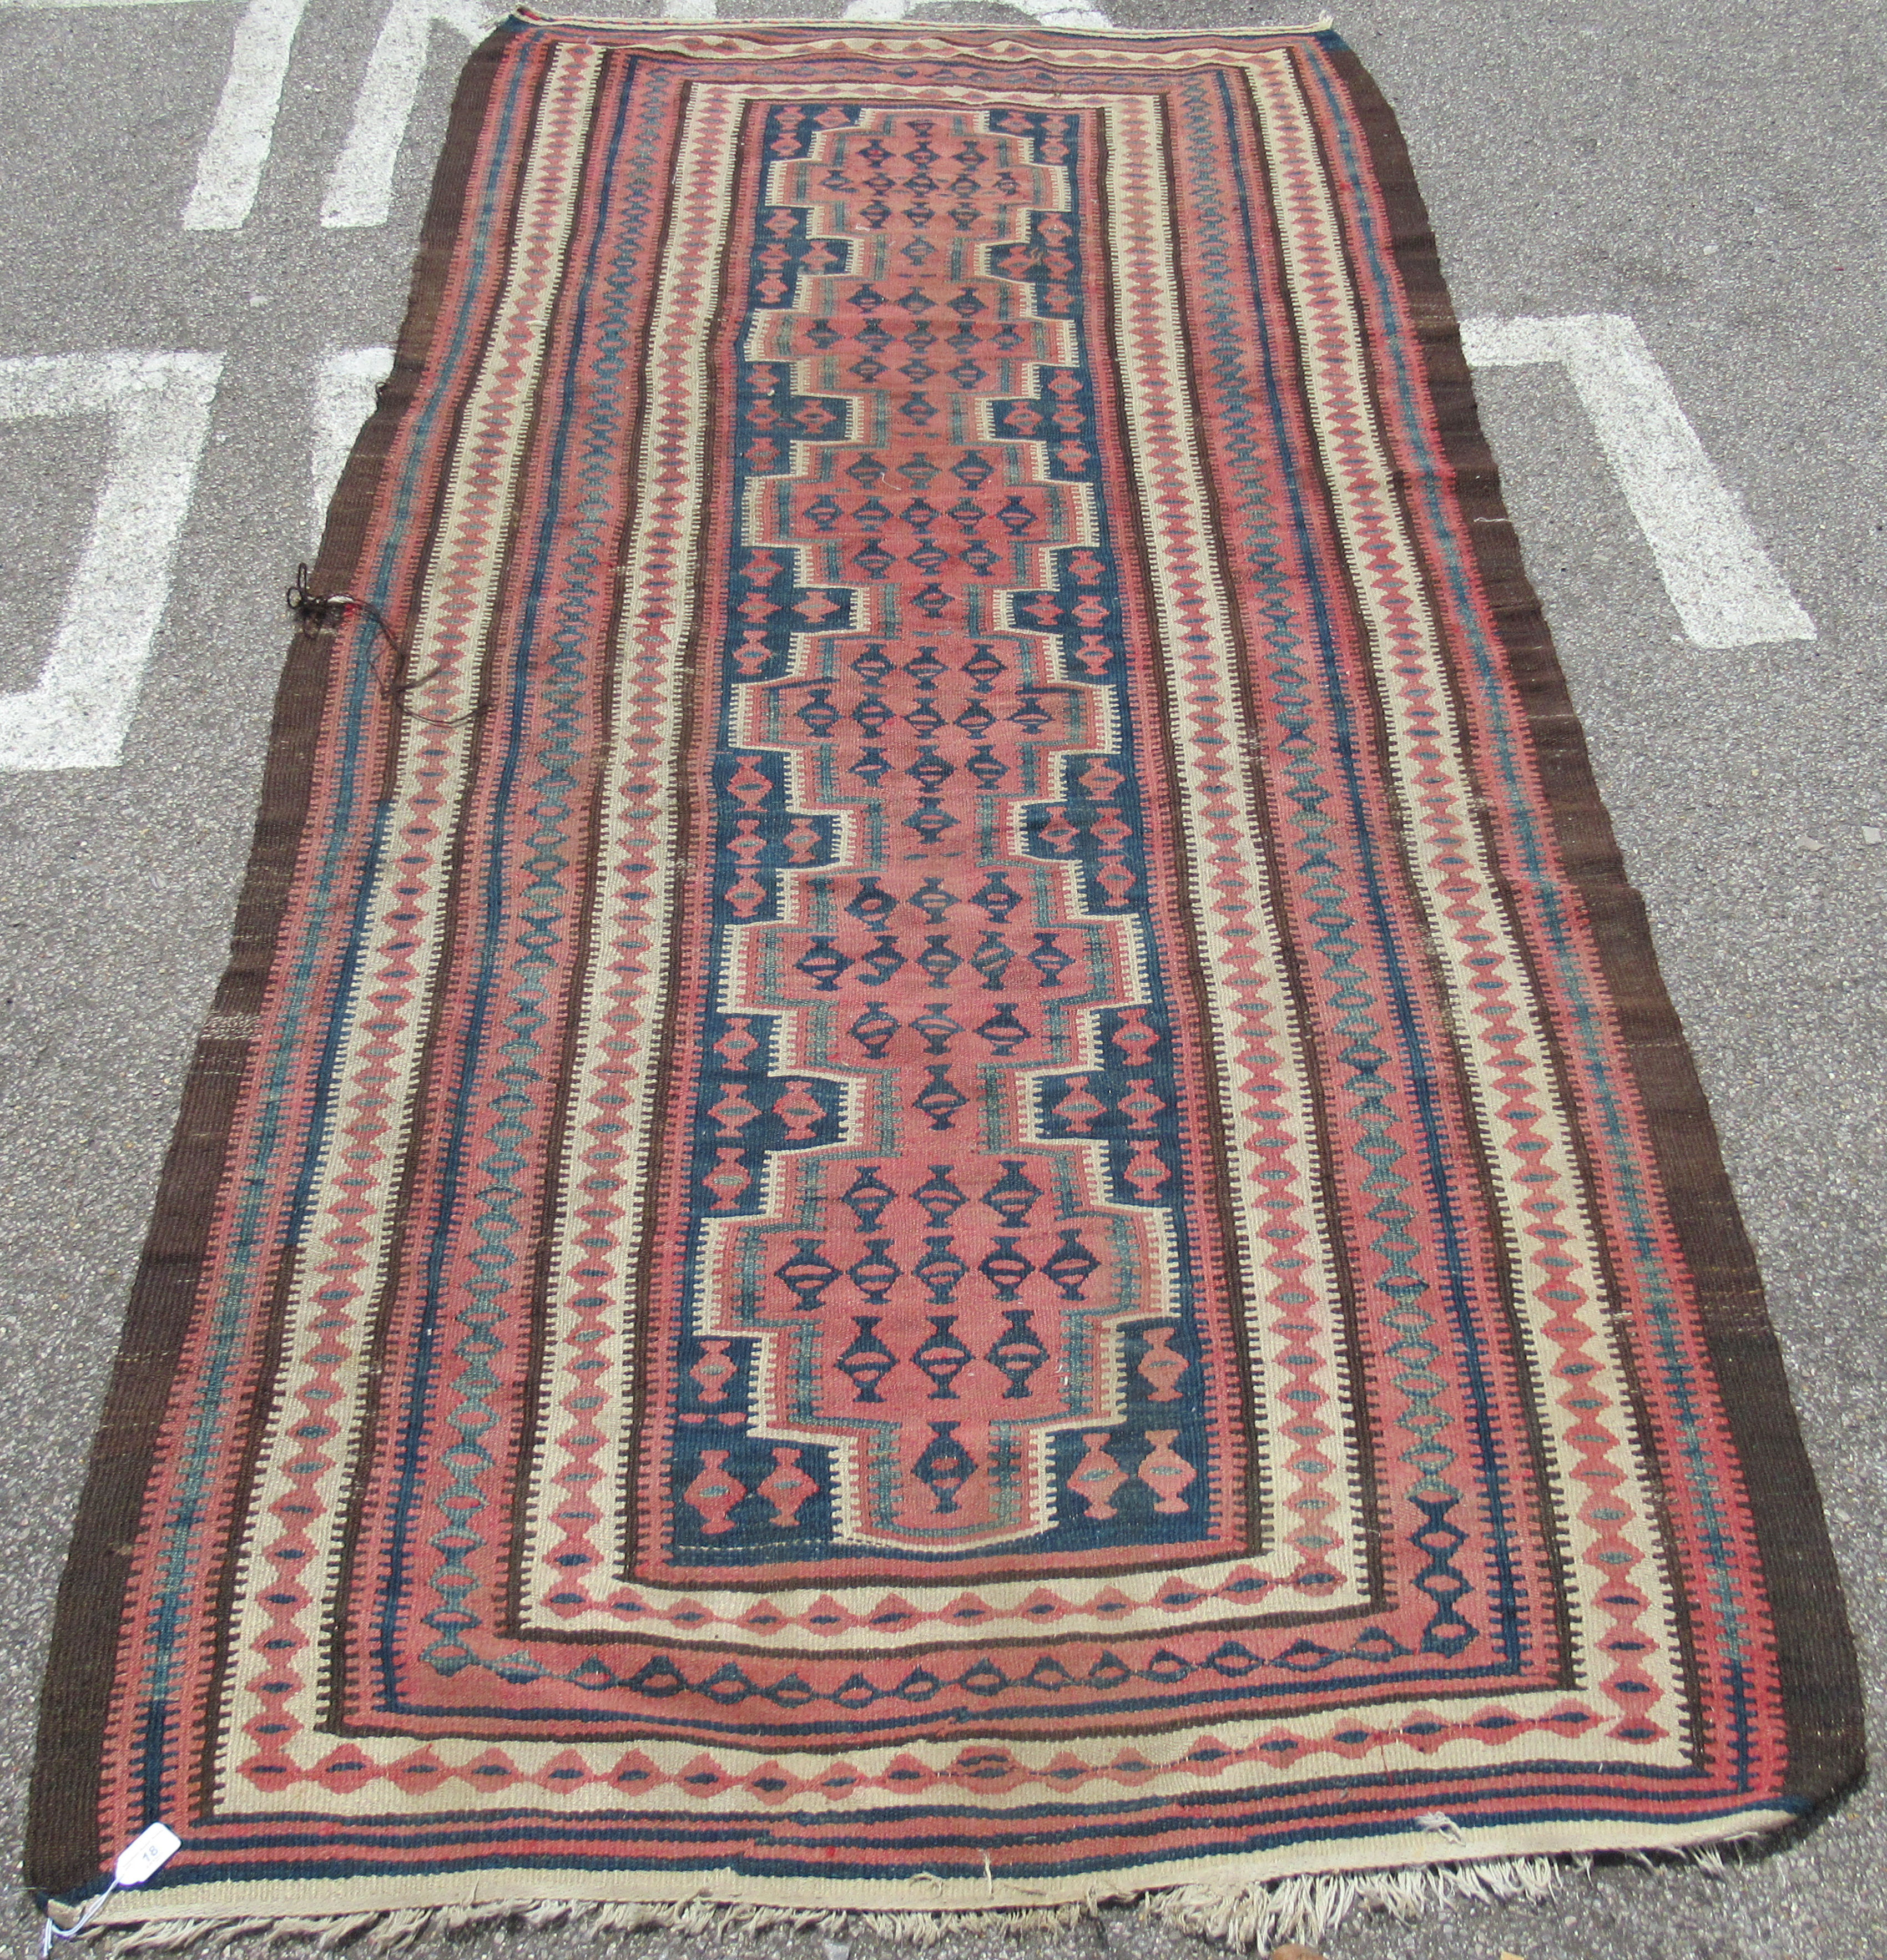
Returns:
(942, 1171)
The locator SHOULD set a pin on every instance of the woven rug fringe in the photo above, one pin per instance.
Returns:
(1260, 1914)
(1308, 1908)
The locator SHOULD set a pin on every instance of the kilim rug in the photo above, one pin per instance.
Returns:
(943, 1171)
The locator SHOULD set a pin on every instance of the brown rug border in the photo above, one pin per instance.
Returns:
(1815, 1651)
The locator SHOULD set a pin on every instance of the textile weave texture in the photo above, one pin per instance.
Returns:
(942, 1169)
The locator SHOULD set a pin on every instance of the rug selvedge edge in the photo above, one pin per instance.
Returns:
(1799, 1566)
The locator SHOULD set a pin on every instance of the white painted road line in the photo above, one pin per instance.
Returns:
(360, 190)
(230, 165)
(1725, 591)
(4, 4)
(344, 386)
(158, 405)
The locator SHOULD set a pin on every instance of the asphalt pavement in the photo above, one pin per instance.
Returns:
(1710, 172)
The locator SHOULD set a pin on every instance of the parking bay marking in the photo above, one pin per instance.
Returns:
(1725, 591)
(345, 387)
(158, 407)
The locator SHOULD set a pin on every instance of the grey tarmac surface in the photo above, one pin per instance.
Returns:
(1712, 171)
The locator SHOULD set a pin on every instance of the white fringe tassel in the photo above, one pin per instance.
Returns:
(1263, 1914)
(1307, 1908)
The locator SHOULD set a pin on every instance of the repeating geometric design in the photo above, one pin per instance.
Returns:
(937, 1197)
(928, 848)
